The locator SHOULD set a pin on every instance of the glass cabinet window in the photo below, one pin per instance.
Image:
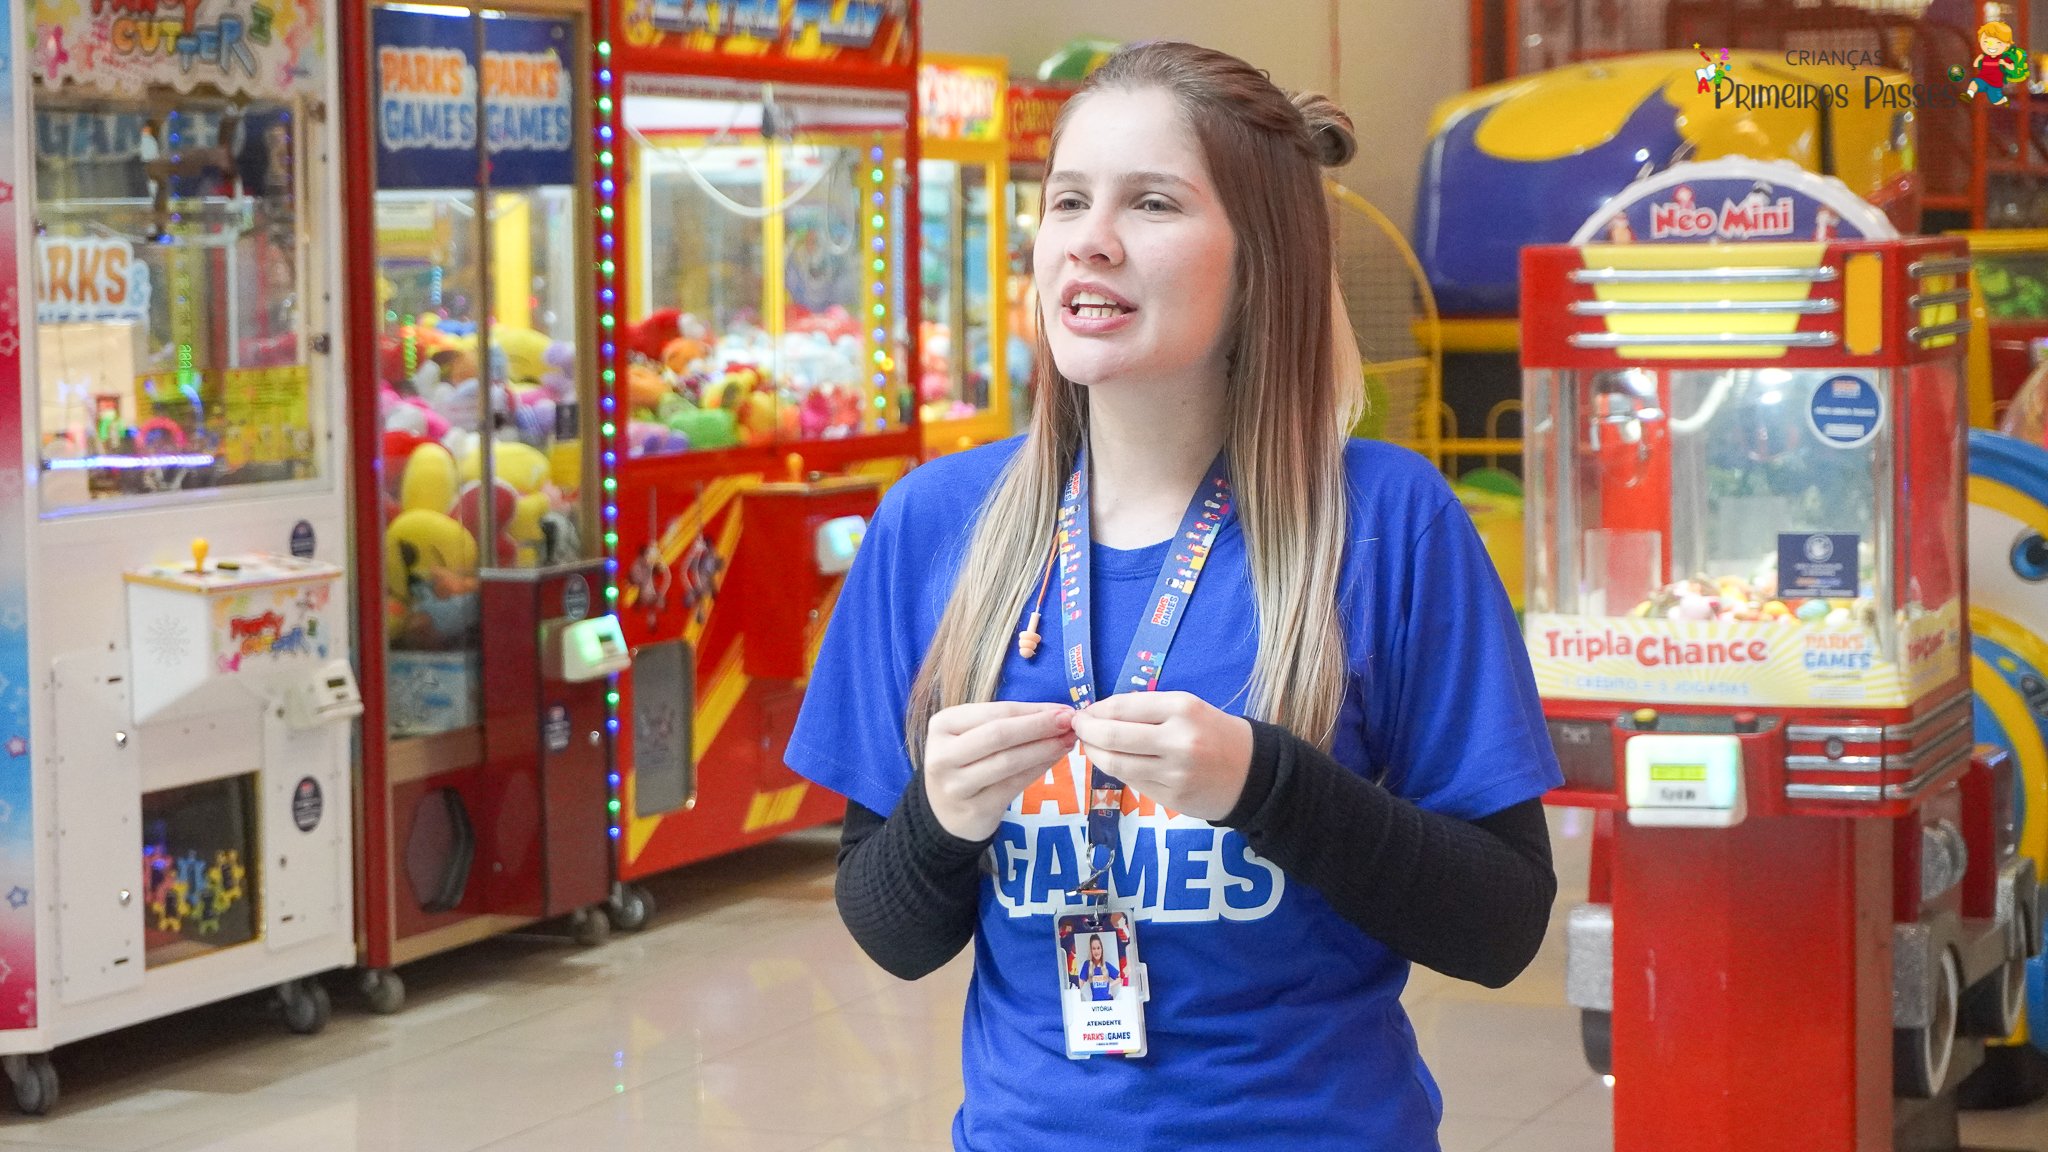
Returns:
(954, 203)
(171, 278)
(764, 240)
(482, 391)
(1024, 199)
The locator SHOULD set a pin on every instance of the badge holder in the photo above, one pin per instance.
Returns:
(1102, 983)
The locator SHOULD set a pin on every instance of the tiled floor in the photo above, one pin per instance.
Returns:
(741, 1019)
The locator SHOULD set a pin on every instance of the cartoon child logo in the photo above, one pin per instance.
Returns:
(1716, 70)
(1999, 63)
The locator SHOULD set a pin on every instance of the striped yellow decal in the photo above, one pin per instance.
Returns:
(724, 690)
(815, 639)
(774, 807)
(715, 706)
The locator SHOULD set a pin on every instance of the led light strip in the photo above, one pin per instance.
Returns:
(608, 360)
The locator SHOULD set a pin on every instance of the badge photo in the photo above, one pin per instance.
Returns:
(1102, 984)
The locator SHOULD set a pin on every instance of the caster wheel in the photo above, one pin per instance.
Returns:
(630, 908)
(1920, 1056)
(2011, 1077)
(35, 1083)
(384, 991)
(590, 926)
(1596, 1036)
(306, 1006)
(1994, 1006)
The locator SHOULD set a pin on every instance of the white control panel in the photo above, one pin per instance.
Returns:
(199, 631)
(593, 649)
(838, 539)
(1685, 780)
(327, 695)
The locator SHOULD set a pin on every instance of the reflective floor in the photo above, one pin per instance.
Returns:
(741, 1018)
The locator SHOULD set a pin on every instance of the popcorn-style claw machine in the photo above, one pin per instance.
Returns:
(1748, 620)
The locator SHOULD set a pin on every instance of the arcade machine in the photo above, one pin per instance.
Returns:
(962, 174)
(1746, 617)
(487, 648)
(1526, 160)
(2010, 271)
(2009, 673)
(1031, 111)
(175, 690)
(757, 310)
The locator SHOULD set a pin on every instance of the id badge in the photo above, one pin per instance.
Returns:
(1102, 983)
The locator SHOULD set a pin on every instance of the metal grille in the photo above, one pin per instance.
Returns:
(1393, 316)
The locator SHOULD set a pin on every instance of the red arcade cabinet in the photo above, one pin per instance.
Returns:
(488, 648)
(757, 295)
(1747, 620)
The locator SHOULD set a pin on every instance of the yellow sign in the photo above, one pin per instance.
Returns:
(960, 99)
(1784, 664)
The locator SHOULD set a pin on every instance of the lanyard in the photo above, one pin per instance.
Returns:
(1186, 557)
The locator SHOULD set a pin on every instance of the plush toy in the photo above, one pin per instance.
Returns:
(680, 353)
(560, 377)
(646, 436)
(757, 418)
(706, 427)
(469, 513)
(521, 465)
(645, 388)
(651, 334)
(525, 351)
(429, 483)
(429, 571)
(815, 415)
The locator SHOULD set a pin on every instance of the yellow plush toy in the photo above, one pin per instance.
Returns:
(429, 483)
(526, 351)
(521, 465)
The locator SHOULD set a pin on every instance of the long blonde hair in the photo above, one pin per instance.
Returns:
(1293, 391)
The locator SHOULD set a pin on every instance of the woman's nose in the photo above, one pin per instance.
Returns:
(1095, 240)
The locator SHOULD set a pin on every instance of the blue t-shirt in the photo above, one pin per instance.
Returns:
(1273, 1024)
(1097, 979)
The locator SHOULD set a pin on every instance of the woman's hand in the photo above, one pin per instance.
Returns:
(1174, 748)
(977, 757)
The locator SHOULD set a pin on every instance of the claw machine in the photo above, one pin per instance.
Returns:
(962, 173)
(1748, 619)
(488, 647)
(1030, 112)
(757, 303)
(176, 698)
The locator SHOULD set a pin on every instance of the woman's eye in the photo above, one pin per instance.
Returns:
(1067, 203)
(1154, 204)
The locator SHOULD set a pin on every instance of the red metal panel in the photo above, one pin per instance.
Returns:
(357, 147)
(1741, 955)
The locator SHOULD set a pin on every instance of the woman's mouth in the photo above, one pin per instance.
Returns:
(1096, 306)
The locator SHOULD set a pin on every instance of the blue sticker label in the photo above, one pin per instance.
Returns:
(302, 540)
(1846, 411)
(1817, 565)
(426, 92)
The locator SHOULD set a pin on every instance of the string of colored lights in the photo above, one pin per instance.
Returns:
(608, 358)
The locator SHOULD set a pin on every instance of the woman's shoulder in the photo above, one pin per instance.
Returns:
(939, 497)
(1387, 481)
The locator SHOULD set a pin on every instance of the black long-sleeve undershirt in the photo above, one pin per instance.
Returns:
(1469, 899)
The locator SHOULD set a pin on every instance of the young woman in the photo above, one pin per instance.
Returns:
(1284, 656)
